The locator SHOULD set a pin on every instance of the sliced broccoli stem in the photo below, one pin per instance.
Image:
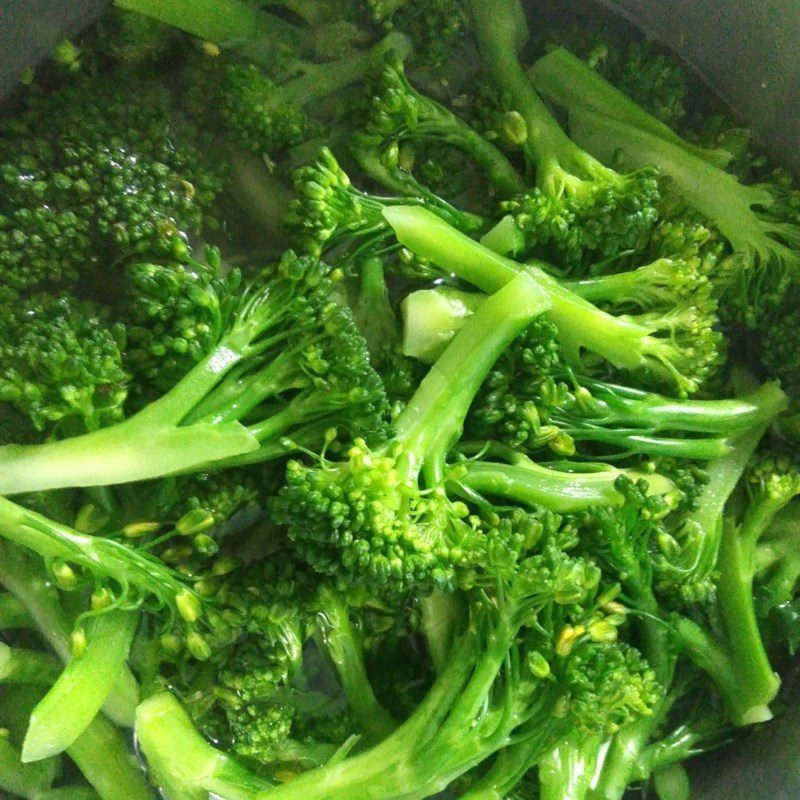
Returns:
(537, 486)
(566, 772)
(31, 586)
(434, 417)
(80, 691)
(29, 781)
(13, 614)
(18, 665)
(564, 78)
(442, 615)
(580, 324)
(373, 311)
(181, 763)
(101, 753)
(344, 647)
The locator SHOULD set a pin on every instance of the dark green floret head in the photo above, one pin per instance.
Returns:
(62, 364)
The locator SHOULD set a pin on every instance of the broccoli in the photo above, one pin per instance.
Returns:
(382, 518)
(173, 315)
(758, 221)
(329, 211)
(532, 399)
(91, 179)
(679, 347)
(290, 360)
(63, 365)
(402, 119)
(545, 625)
(579, 209)
(264, 97)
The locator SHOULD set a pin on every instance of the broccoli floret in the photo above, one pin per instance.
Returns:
(63, 365)
(579, 209)
(382, 518)
(290, 368)
(329, 211)
(401, 119)
(758, 221)
(678, 347)
(536, 660)
(780, 352)
(436, 27)
(91, 179)
(174, 315)
(263, 99)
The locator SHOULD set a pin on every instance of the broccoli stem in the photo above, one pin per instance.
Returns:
(101, 753)
(29, 781)
(69, 793)
(373, 311)
(33, 589)
(537, 486)
(18, 665)
(181, 763)
(757, 684)
(13, 614)
(344, 647)
(510, 766)
(434, 417)
(580, 324)
(80, 691)
(442, 615)
(564, 78)
(497, 24)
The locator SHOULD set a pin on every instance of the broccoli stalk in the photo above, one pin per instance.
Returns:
(659, 345)
(181, 763)
(383, 515)
(532, 400)
(344, 647)
(101, 753)
(29, 781)
(290, 361)
(579, 205)
(18, 665)
(739, 663)
(13, 614)
(130, 578)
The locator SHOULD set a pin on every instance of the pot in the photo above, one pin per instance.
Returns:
(746, 52)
